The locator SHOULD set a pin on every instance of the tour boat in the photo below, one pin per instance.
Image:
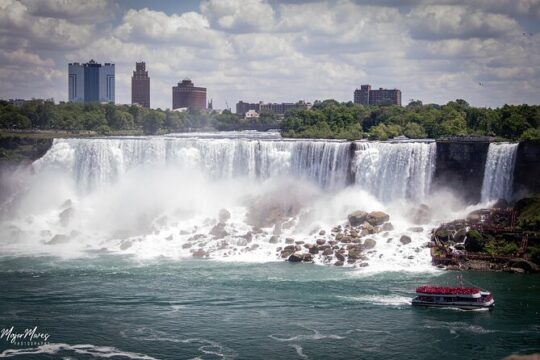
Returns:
(453, 297)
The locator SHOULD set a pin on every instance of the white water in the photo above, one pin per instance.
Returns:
(394, 171)
(498, 172)
(160, 197)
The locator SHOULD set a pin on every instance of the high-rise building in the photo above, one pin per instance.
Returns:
(277, 108)
(366, 96)
(91, 82)
(140, 86)
(185, 95)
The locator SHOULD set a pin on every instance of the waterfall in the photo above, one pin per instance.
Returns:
(395, 170)
(92, 162)
(498, 172)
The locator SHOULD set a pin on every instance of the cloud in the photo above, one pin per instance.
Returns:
(87, 11)
(435, 22)
(239, 15)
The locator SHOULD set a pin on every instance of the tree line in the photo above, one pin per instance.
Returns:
(331, 119)
(108, 118)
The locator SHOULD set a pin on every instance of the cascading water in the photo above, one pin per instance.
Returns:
(162, 196)
(499, 172)
(392, 171)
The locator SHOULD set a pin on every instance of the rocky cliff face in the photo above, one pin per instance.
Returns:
(460, 166)
(527, 168)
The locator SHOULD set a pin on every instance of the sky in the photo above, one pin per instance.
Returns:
(484, 51)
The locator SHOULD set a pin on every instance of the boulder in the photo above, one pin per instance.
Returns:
(277, 229)
(218, 231)
(328, 252)
(369, 244)
(273, 239)
(320, 241)
(388, 226)
(322, 232)
(248, 236)
(296, 257)
(340, 256)
(339, 263)
(66, 215)
(224, 215)
(199, 253)
(377, 218)
(364, 264)
(404, 239)
(354, 254)
(460, 235)
(416, 229)
(528, 266)
(289, 240)
(357, 218)
(307, 258)
(314, 250)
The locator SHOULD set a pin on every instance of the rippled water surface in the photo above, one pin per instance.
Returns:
(115, 307)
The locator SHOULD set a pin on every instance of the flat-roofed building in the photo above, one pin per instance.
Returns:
(186, 95)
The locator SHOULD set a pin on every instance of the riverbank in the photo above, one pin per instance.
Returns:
(502, 238)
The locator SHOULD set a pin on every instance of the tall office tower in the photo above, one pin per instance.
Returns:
(91, 82)
(140, 86)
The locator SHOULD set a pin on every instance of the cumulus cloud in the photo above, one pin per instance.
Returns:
(279, 50)
(451, 21)
(239, 15)
(87, 11)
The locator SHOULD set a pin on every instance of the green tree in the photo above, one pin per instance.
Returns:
(152, 122)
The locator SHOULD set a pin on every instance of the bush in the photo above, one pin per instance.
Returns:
(474, 241)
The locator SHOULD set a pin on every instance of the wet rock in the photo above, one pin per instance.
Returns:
(296, 257)
(527, 266)
(299, 242)
(460, 235)
(364, 264)
(254, 246)
(365, 232)
(332, 242)
(169, 238)
(320, 241)
(289, 240)
(351, 261)
(277, 229)
(199, 253)
(339, 263)
(336, 229)
(328, 252)
(340, 256)
(322, 232)
(314, 250)
(410, 257)
(377, 218)
(417, 229)
(58, 239)
(346, 239)
(218, 231)
(369, 244)
(307, 258)
(404, 239)
(357, 218)
(248, 236)
(66, 215)
(388, 226)
(339, 236)
(354, 254)
(274, 239)
(187, 245)
(354, 233)
(388, 241)
(501, 204)
(224, 215)
(443, 235)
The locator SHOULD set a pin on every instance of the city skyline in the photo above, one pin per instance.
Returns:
(485, 52)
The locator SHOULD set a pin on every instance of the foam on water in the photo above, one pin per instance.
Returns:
(105, 352)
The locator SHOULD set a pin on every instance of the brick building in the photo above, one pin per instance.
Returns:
(140, 86)
(186, 95)
(366, 96)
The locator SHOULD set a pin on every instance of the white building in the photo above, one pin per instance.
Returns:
(252, 114)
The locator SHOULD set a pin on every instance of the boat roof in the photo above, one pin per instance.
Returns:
(446, 290)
